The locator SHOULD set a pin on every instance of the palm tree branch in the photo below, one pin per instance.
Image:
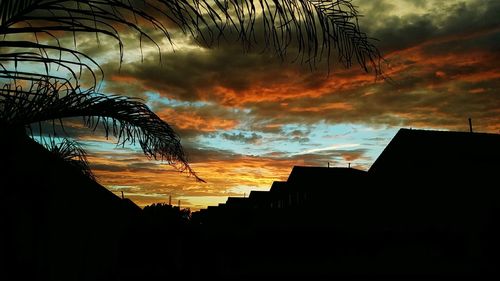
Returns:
(316, 26)
(127, 119)
(35, 57)
(46, 59)
(69, 151)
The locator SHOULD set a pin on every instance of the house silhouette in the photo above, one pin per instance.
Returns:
(439, 154)
(57, 224)
(427, 208)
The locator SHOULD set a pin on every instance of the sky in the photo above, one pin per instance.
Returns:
(246, 117)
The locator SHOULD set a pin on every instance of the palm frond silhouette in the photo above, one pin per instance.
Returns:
(41, 74)
(71, 152)
(127, 119)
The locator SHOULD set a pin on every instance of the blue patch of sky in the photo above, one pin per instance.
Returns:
(70, 68)
(318, 136)
(111, 146)
(155, 98)
(101, 87)
(368, 138)
(46, 140)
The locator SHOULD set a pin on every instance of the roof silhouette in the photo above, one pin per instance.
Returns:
(278, 186)
(411, 157)
(318, 182)
(316, 177)
(305, 173)
(75, 223)
(438, 152)
(427, 209)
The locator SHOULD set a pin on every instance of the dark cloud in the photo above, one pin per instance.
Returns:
(201, 154)
(300, 136)
(439, 19)
(252, 138)
(278, 94)
(226, 76)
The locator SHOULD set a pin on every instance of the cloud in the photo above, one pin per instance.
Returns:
(300, 136)
(332, 147)
(441, 56)
(282, 94)
(253, 138)
(193, 121)
(146, 181)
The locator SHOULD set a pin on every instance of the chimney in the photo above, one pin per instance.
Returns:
(470, 125)
(123, 197)
(328, 164)
(349, 165)
(170, 200)
(179, 204)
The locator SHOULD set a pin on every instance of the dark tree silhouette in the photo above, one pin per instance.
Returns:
(41, 75)
(161, 213)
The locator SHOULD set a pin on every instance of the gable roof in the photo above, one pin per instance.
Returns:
(258, 194)
(412, 151)
(278, 186)
(238, 202)
(31, 171)
(304, 177)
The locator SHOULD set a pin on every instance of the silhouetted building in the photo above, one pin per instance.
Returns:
(315, 186)
(260, 199)
(306, 186)
(422, 153)
(237, 203)
(428, 208)
(56, 223)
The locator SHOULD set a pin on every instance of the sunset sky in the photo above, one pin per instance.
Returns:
(246, 118)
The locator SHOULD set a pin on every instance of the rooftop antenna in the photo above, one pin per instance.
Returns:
(470, 124)
(123, 197)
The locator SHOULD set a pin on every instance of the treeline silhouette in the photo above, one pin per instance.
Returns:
(428, 208)
(167, 213)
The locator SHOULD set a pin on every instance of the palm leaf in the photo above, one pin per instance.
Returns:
(9, 9)
(127, 119)
(319, 28)
(71, 152)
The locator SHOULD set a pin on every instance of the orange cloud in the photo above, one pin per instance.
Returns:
(157, 182)
(323, 107)
(193, 121)
(147, 181)
(479, 76)
(295, 85)
(477, 91)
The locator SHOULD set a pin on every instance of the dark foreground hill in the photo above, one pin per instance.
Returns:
(56, 224)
